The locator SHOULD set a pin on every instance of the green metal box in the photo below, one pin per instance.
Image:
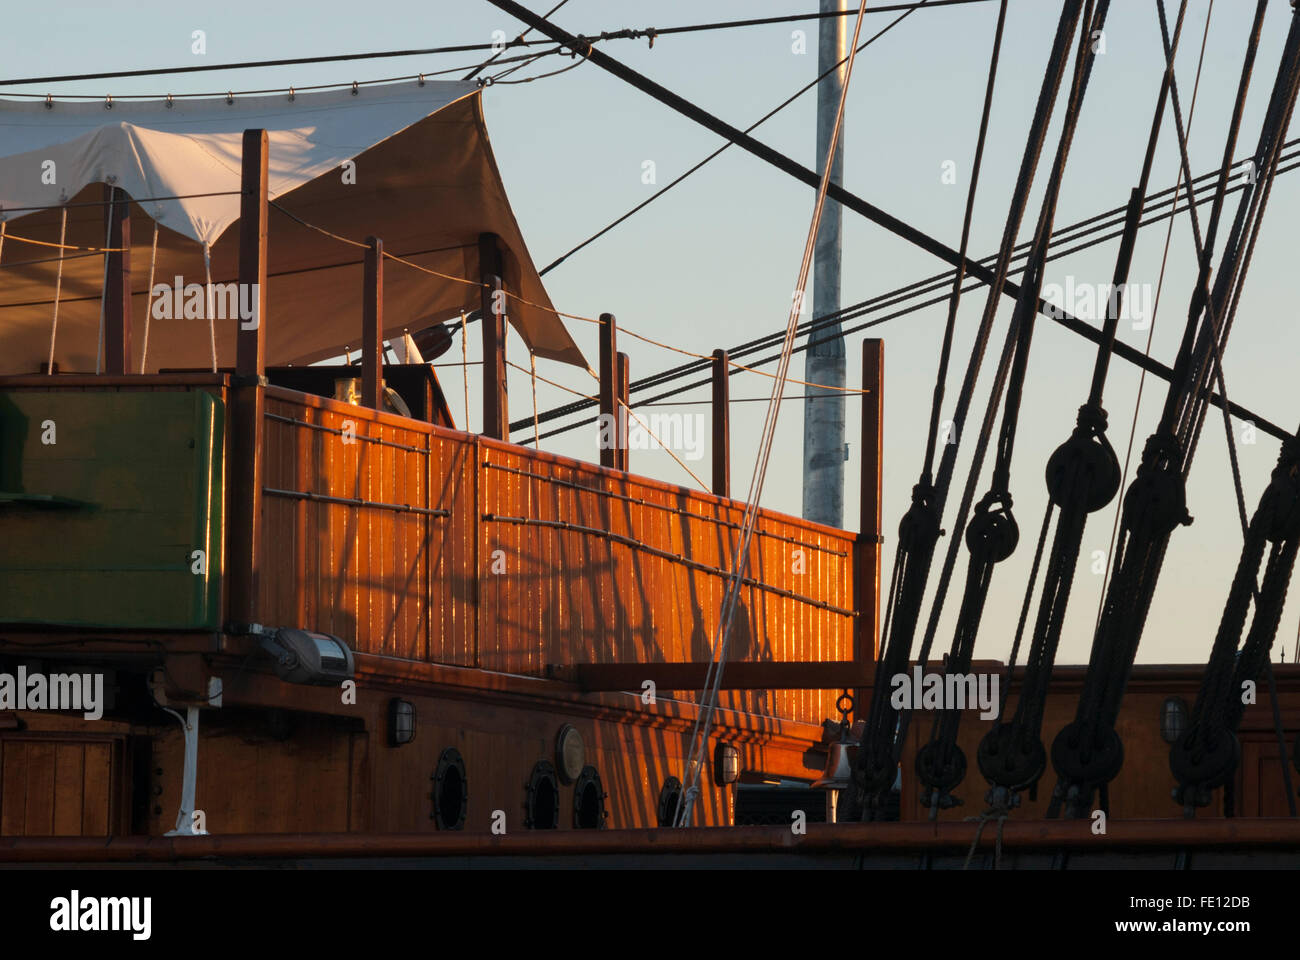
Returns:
(106, 499)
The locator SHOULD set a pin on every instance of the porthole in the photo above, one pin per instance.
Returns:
(450, 791)
(669, 797)
(588, 801)
(542, 802)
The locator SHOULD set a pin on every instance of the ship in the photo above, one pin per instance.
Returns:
(263, 600)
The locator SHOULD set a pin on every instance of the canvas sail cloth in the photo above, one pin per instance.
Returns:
(426, 184)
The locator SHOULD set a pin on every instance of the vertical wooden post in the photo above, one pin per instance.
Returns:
(117, 289)
(496, 416)
(372, 327)
(624, 379)
(721, 424)
(608, 370)
(869, 539)
(249, 397)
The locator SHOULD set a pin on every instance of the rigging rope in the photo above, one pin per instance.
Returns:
(1083, 475)
(992, 535)
(876, 764)
(1088, 753)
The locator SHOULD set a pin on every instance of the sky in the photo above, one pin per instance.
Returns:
(713, 263)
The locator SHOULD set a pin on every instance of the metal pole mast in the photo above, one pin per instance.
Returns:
(823, 411)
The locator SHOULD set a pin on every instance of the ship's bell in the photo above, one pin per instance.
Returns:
(839, 767)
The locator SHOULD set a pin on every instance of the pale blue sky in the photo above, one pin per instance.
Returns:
(713, 263)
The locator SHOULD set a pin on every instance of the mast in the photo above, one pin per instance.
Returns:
(823, 412)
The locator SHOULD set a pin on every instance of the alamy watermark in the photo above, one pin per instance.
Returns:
(1095, 301)
(75, 913)
(937, 691)
(679, 432)
(55, 691)
(191, 301)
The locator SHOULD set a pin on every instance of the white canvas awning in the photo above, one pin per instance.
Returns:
(422, 178)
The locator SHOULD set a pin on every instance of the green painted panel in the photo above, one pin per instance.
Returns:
(104, 498)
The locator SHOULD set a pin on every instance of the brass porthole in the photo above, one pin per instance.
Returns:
(589, 801)
(669, 797)
(542, 800)
(450, 791)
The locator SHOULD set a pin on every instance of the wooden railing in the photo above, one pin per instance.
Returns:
(413, 541)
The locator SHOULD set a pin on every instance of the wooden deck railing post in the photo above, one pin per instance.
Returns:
(372, 327)
(117, 288)
(608, 370)
(624, 380)
(496, 409)
(869, 540)
(721, 424)
(249, 398)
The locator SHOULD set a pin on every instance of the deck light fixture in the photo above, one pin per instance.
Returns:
(1173, 719)
(401, 722)
(726, 764)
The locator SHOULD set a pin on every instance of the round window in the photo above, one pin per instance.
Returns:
(450, 791)
(588, 801)
(669, 797)
(542, 802)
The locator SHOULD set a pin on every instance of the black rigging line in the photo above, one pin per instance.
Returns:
(624, 34)
(1087, 753)
(518, 41)
(919, 531)
(750, 129)
(1069, 234)
(804, 174)
(993, 534)
(1083, 475)
(872, 305)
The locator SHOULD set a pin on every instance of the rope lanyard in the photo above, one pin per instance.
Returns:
(877, 759)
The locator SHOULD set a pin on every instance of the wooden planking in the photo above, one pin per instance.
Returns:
(420, 587)
(55, 787)
(601, 599)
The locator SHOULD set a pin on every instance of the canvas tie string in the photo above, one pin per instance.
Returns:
(148, 296)
(58, 288)
(103, 290)
(212, 327)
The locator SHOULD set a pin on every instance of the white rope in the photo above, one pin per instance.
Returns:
(464, 364)
(718, 660)
(148, 296)
(58, 288)
(532, 362)
(103, 290)
(212, 324)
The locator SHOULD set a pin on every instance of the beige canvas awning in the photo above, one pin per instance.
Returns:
(424, 181)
